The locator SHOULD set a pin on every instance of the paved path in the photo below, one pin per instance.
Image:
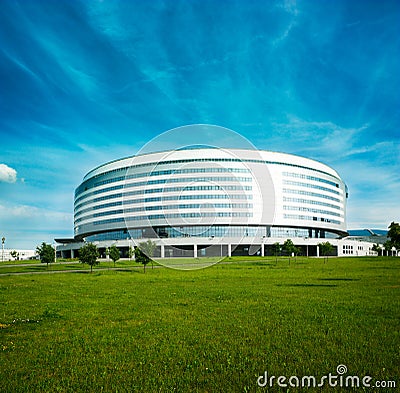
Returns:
(35, 264)
(84, 271)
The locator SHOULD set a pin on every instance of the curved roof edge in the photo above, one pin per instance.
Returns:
(200, 147)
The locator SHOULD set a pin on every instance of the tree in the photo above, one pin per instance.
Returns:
(276, 249)
(46, 253)
(376, 247)
(89, 254)
(388, 246)
(141, 257)
(114, 253)
(144, 252)
(289, 248)
(14, 254)
(394, 234)
(326, 249)
(131, 252)
(297, 251)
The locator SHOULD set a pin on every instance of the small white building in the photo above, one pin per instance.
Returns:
(8, 254)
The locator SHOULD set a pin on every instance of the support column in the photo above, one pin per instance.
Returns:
(318, 251)
(229, 250)
(194, 250)
(72, 253)
(162, 251)
(262, 249)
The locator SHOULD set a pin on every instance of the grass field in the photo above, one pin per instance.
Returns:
(211, 330)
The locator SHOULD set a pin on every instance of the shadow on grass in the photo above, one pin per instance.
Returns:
(127, 270)
(307, 285)
(36, 267)
(264, 264)
(72, 267)
(396, 267)
(339, 279)
(99, 271)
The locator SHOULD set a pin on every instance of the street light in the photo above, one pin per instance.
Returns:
(55, 252)
(3, 239)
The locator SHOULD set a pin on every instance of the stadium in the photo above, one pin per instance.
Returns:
(212, 202)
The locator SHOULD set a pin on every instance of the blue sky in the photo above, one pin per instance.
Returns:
(84, 82)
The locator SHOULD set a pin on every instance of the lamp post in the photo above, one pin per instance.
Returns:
(3, 239)
(55, 252)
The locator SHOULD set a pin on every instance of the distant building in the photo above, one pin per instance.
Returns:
(212, 202)
(21, 254)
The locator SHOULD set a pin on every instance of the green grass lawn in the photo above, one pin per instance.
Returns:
(209, 330)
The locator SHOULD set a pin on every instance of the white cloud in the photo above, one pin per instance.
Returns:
(7, 174)
(289, 6)
(374, 214)
(34, 215)
(319, 140)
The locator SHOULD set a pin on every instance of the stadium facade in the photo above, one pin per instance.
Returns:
(212, 202)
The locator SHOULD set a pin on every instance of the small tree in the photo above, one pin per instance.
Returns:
(326, 248)
(297, 251)
(141, 257)
(14, 254)
(144, 252)
(394, 234)
(148, 248)
(387, 246)
(114, 253)
(89, 254)
(276, 249)
(46, 253)
(289, 248)
(131, 253)
(376, 247)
